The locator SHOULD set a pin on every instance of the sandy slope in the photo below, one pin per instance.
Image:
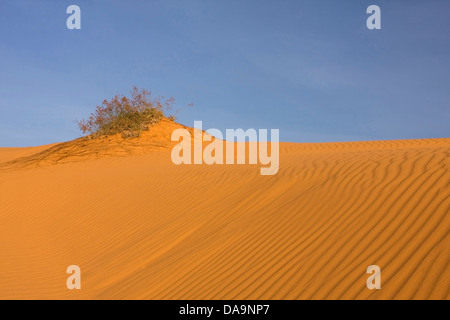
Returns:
(141, 227)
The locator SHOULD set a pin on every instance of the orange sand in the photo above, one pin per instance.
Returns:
(141, 227)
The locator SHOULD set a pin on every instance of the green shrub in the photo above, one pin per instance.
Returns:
(127, 116)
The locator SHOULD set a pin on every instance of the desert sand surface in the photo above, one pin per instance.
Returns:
(141, 227)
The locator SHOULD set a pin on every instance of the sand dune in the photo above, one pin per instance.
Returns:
(141, 227)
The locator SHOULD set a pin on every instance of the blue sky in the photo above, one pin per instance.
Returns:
(309, 68)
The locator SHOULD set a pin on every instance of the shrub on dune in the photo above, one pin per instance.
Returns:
(126, 116)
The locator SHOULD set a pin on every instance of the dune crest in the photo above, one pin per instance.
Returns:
(141, 227)
(156, 138)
